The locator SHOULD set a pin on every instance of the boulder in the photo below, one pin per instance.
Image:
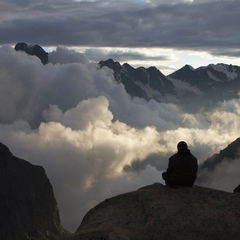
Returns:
(28, 208)
(161, 212)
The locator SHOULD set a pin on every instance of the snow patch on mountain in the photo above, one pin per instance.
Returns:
(225, 69)
(155, 94)
(181, 87)
(212, 76)
(149, 91)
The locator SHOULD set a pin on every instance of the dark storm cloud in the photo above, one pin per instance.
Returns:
(121, 55)
(227, 53)
(200, 24)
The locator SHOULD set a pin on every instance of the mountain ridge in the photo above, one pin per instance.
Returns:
(230, 155)
(192, 89)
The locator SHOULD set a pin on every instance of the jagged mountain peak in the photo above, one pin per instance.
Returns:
(185, 68)
(109, 63)
(34, 50)
(140, 82)
(222, 72)
(193, 89)
(189, 67)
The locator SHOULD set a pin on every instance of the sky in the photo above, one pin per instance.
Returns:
(93, 140)
(161, 33)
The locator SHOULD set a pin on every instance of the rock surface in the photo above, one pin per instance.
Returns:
(237, 189)
(28, 208)
(160, 212)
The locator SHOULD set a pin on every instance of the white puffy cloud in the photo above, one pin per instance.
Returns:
(83, 153)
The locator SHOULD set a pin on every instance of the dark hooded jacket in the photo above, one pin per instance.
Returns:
(182, 169)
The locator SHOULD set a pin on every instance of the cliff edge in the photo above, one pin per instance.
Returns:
(161, 212)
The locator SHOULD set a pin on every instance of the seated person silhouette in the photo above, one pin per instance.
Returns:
(182, 167)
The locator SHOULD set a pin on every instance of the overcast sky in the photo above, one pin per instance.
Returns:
(166, 34)
(73, 119)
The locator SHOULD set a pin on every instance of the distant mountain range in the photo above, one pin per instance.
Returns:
(192, 89)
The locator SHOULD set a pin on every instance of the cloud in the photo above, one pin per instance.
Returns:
(227, 53)
(209, 28)
(83, 153)
(123, 55)
(225, 177)
(64, 55)
(91, 137)
(182, 25)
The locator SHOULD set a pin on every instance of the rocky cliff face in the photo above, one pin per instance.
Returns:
(28, 209)
(160, 212)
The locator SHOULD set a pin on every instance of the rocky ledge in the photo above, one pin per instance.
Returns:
(161, 212)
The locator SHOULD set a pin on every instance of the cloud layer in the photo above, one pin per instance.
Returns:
(200, 24)
(92, 139)
(165, 34)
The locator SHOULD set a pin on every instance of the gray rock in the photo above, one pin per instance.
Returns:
(28, 208)
(161, 212)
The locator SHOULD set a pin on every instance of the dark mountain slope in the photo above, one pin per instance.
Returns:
(231, 152)
(28, 208)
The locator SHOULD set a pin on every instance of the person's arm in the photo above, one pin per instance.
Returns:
(170, 165)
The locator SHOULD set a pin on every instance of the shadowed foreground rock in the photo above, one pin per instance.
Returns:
(159, 212)
(28, 209)
(237, 189)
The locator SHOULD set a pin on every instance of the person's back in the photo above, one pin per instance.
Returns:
(182, 167)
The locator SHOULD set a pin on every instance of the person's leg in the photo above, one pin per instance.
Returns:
(166, 178)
